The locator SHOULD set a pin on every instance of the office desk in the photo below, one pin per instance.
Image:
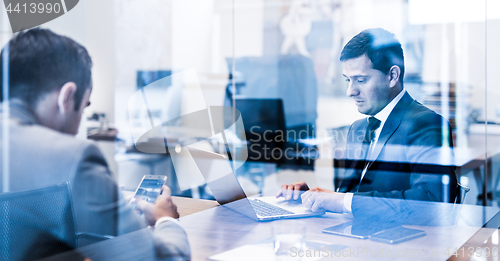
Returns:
(185, 206)
(219, 229)
(188, 206)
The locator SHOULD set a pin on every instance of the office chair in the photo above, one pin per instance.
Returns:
(461, 193)
(38, 223)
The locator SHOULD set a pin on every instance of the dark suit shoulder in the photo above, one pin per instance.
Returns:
(424, 126)
(419, 115)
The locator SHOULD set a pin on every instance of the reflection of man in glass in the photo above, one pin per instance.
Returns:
(402, 150)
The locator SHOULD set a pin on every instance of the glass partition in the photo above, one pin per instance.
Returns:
(291, 50)
(385, 111)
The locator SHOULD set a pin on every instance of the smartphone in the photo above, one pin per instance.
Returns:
(149, 189)
(397, 235)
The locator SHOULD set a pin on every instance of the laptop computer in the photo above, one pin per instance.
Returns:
(220, 178)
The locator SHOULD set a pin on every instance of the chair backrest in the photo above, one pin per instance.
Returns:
(461, 193)
(36, 223)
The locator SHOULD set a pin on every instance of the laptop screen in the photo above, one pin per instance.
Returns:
(220, 178)
(265, 127)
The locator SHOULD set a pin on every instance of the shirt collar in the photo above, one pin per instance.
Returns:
(386, 111)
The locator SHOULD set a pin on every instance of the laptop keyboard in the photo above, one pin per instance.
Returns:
(265, 209)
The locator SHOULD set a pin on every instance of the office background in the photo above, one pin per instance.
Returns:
(286, 49)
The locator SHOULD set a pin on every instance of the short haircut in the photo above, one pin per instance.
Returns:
(380, 46)
(41, 62)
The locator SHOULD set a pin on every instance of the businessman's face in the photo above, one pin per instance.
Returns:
(368, 87)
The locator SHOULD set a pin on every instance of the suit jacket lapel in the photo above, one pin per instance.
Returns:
(390, 126)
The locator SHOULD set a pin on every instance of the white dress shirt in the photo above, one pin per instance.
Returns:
(165, 219)
(382, 117)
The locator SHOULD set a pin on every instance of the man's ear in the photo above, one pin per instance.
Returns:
(66, 98)
(394, 74)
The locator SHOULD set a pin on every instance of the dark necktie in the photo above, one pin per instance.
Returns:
(352, 184)
(372, 126)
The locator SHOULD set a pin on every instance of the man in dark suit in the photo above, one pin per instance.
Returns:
(49, 82)
(402, 150)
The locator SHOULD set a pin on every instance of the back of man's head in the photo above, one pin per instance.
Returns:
(41, 62)
(380, 46)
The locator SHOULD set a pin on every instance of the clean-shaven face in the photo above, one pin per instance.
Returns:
(367, 86)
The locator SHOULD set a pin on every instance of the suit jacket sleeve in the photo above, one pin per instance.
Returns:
(100, 207)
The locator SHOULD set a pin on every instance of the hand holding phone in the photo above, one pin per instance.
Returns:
(164, 207)
(148, 190)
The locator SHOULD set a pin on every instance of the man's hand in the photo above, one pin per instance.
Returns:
(163, 207)
(292, 190)
(318, 189)
(318, 198)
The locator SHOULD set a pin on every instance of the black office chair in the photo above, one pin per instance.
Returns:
(461, 193)
(38, 223)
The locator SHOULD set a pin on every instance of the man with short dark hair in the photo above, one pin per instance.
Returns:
(49, 80)
(401, 150)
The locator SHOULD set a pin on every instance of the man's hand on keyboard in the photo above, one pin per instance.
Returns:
(323, 199)
(292, 191)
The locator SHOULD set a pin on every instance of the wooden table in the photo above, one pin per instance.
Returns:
(188, 206)
(219, 229)
(185, 206)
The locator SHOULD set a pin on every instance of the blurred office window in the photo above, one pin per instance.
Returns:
(286, 53)
(290, 49)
